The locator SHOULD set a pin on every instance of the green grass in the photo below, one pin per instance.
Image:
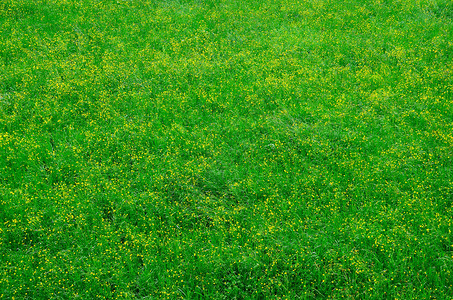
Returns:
(203, 149)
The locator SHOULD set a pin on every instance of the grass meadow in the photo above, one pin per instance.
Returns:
(226, 149)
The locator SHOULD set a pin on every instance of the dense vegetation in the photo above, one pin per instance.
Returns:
(202, 149)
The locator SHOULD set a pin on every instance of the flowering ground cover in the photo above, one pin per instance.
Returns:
(226, 149)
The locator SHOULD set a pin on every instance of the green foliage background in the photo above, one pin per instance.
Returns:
(226, 149)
